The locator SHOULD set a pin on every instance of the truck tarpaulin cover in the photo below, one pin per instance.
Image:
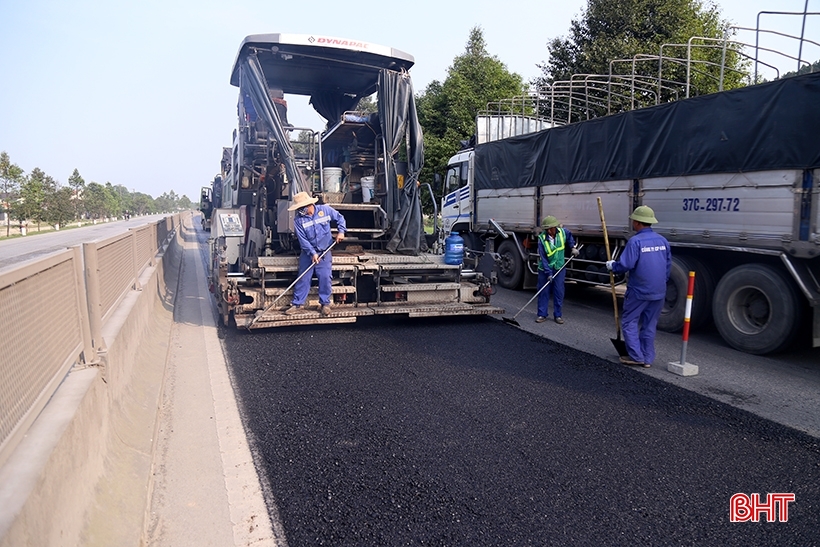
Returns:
(397, 112)
(756, 128)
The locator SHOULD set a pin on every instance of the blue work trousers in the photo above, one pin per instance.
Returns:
(322, 271)
(555, 290)
(639, 323)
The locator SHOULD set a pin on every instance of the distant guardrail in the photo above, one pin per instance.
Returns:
(51, 315)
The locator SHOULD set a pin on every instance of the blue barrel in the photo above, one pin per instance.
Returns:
(454, 249)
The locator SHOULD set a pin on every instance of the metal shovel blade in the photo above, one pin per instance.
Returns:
(620, 347)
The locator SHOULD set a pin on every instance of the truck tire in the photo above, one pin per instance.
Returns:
(471, 241)
(510, 266)
(673, 314)
(756, 309)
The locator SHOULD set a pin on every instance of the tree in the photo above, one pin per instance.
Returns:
(143, 204)
(367, 104)
(39, 197)
(447, 110)
(77, 185)
(95, 201)
(167, 202)
(59, 207)
(804, 69)
(10, 177)
(115, 199)
(620, 30)
(33, 192)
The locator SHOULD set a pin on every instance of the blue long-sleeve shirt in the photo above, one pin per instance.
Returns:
(648, 260)
(313, 231)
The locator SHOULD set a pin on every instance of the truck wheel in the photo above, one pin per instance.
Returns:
(674, 307)
(755, 309)
(470, 241)
(511, 266)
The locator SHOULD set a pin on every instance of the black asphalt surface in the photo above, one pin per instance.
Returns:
(471, 432)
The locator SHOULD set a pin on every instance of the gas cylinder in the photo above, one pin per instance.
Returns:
(454, 249)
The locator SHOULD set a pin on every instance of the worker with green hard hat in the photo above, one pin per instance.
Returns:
(553, 243)
(648, 260)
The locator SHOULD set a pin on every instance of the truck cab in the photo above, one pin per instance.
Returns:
(457, 203)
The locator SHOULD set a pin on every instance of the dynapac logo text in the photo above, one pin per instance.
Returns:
(338, 42)
(743, 508)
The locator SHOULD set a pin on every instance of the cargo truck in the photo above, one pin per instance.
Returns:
(733, 177)
(364, 164)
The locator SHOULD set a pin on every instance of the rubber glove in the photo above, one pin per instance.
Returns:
(609, 264)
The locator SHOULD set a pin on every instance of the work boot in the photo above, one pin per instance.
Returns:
(325, 309)
(559, 320)
(540, 319)
(630, 361)
(293, 310)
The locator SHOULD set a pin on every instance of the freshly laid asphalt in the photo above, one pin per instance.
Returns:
(472, 432)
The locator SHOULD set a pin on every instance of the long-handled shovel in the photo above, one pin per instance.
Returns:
(287, 290)
(511, 320)
(620, 345)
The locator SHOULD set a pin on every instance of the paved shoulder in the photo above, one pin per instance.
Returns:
(205, 487)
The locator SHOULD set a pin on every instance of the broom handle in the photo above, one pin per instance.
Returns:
(542, 288)
(611, 275)
(289, 287)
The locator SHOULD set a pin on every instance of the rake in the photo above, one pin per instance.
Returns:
(511, 320)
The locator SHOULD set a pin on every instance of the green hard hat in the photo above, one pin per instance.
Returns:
(549, 222)
(644, 215)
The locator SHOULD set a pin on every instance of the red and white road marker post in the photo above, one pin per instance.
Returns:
(682, 368)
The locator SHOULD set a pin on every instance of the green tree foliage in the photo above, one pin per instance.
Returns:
(96, 201)
(167, 202)
(77, 185)
(59, 207)
(367, 104)
(116, 198)
(33, 191)
(447, 110)
(10, 178)
(38, 197)
(611, 30)
(142, 204)
(804, 69)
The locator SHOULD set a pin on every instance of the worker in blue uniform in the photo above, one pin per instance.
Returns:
(312, 226)
(553, 243)
(647, 259)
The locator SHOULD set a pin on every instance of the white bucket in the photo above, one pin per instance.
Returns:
(332, 179)
(368, 188)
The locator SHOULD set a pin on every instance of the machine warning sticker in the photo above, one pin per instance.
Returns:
(231, 225)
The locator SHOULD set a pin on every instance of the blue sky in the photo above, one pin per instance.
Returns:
(137, 93)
